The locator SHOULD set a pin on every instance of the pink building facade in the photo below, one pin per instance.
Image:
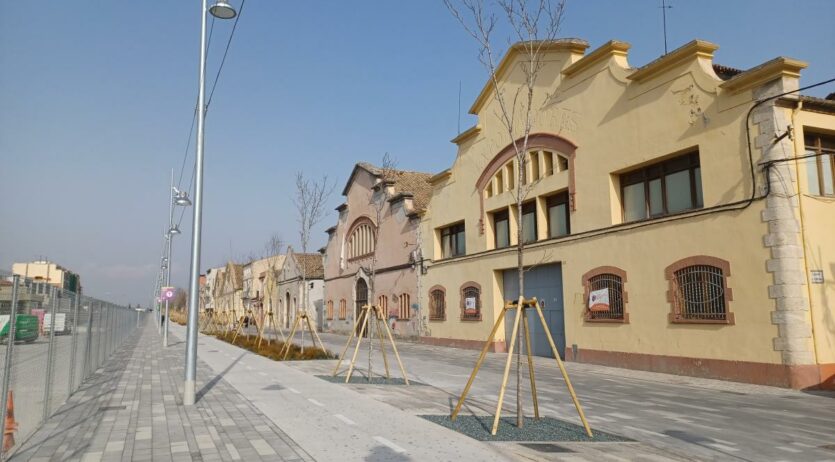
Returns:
(378, 221)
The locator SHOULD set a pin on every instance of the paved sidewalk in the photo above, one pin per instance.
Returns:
(685, 417)
(131, 410)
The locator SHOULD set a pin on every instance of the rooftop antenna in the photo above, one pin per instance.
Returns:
(664, 8)
(459, 107)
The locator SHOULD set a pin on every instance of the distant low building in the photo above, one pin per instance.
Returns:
(50, 273)
(300, 269)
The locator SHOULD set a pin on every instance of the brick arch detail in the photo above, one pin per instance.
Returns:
(362, 219)
(547, 141)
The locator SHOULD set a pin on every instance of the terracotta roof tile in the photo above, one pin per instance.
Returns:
(311, 264)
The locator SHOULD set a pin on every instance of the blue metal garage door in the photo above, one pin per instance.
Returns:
(544, 283)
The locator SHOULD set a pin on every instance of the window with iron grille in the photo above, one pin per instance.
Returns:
(343, 310)
(471, 303)
(613, 280)
(437, 304)
(405, 307)
(330, 309)
(383, 303)
(698, 290)
(614, 285)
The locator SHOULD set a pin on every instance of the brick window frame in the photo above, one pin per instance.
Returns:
(432, 308)
(465, 287)
(404, 311)
(675, 315)
(586, 280)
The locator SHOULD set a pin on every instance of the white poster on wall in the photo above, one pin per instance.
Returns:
(469, 303)
(599, 300)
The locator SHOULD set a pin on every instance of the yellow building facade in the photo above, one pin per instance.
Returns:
(703, 208)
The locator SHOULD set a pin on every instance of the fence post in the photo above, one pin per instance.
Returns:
(74, 349)
(99, 330)
(50, 357)
(7, 366)
(88, 347)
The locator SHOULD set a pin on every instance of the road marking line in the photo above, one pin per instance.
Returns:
(344, 419)
(646, 431)
(723, 447)
(293, 390)
(262, 373)
(391, 445)
(315, 402)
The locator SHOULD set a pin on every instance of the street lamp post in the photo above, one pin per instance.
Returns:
(176, 197)
(220, 10)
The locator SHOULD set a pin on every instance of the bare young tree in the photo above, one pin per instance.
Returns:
(310, 200)
(534, 24)
(378, 200)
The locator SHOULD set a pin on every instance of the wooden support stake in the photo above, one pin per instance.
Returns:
(357, 349)
(478, 365)
(506, 371)
(314, 334)
(290, 342)
(562, 369)
(396, 354)
(238, 329)
(383, 349)
(345, 350)
(530, 363)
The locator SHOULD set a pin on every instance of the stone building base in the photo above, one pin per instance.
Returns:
(821, 376)
(495, 347)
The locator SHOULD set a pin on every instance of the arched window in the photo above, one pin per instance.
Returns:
(605, 295)
(343, 310)
(405, 312)
(471, 302)
(383, 303)
(330, 309)
(437, 304)
(698, 291)
(361, 239)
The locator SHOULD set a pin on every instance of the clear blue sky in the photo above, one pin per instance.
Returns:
(96, 99)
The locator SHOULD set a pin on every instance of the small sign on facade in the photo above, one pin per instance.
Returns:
(817, 276)
(470, 304)
(599, 300)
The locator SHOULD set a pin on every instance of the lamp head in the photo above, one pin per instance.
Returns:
(174, 230)
(222, 10)
(182, 199)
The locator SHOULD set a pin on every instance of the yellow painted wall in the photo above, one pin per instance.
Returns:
(618, 124)
(818, 215)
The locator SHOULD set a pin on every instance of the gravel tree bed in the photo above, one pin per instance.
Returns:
(544, 429)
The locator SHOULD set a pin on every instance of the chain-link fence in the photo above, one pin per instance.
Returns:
(51, 342)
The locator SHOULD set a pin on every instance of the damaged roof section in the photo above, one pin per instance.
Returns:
(406, 184)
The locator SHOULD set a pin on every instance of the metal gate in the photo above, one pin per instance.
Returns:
(544, 283)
